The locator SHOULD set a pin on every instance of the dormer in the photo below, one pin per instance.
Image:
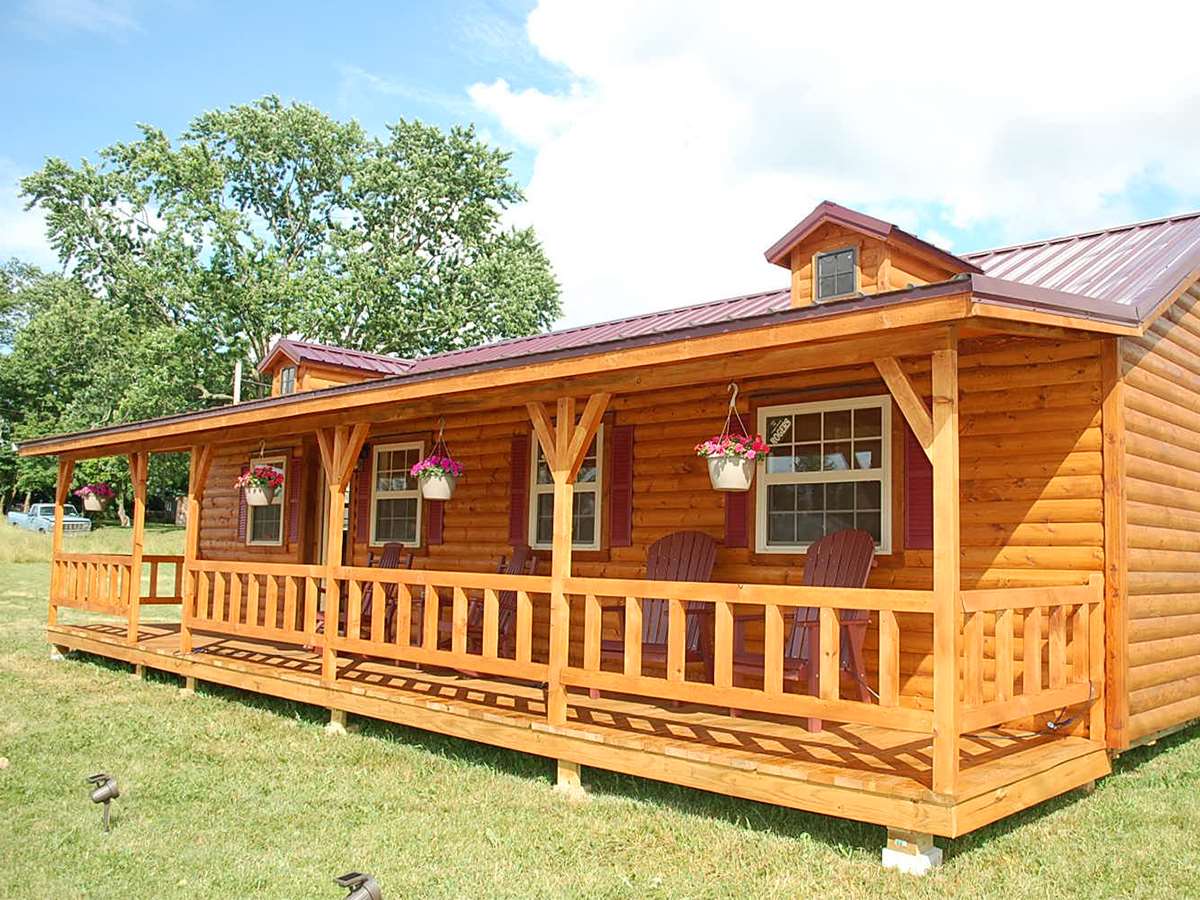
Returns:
(838, 254)
(295, 366)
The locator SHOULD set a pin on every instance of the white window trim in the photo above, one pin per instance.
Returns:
(376, 495)
(883, 474)
(856, 249)
(280, 463)
(596, 487)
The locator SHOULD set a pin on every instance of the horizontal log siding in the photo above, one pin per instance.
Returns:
(1162, 459)
(1031, 493)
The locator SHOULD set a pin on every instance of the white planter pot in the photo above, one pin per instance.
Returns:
(92, 503)
(438, 487)
(730, 473)
(259, 496)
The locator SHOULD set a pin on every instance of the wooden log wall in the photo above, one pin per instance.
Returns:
(1162, 462)
(1031, 491)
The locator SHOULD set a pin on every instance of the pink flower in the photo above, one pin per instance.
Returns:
(733, 445)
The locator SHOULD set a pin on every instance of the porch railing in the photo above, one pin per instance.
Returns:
(460, 620)
(772, 605)
(273, 601)
(104, 582)
(1060, 633)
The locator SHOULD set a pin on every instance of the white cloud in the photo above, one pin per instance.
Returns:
(22, 233)
(692, 134)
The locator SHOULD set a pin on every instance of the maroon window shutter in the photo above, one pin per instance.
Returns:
(243, 512)
(918, 495)
(435, 520)
(620, 492)
(737, 519)
(294, 495)
(518, 507)
(362, 499)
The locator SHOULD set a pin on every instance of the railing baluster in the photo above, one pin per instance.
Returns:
(889, 658)
(591, 632)
(1004, 654)
(429, 640)
(676, 640)
(1031, 650)
(404, 608)
(458, 621)
(153, 595)
(271, 614)
(378, 611)
(491, 624)
(220, 586)
(236, 599)
(290, 621)
(831, 654)
(310, 608)
(722, 644)
(973, 662)
(1058, 646)
(524, 627)
(633, 636)
(202, 596)
(252, 597)
(772, 649)
(1079, 643)
(353, 595)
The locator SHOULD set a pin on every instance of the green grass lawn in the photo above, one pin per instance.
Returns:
(229, 794)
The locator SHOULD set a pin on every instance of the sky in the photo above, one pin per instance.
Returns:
(663, 146)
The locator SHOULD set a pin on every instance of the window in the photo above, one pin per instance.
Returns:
(264, 524)
(395, 495)
(585, 510)
(835, 274)
(287, 380)
(829, 469)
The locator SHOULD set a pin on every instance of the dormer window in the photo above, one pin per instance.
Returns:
(287, 380)
(836, 274)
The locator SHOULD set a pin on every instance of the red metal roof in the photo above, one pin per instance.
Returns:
(1135, 265)
(337, 357)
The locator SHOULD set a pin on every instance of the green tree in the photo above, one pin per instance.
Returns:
(269, 219)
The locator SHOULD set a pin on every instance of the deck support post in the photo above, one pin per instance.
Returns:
(139, 466)
(198, 466)
(564, 447)
(912, 852)
(339, 448)
(947, 610)
(569, 780)
(337, 722)
(66, 470)
(189, 686)
(139, 671)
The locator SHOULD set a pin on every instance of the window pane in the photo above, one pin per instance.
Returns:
(808, 427)
(844, 284)
(779, 430)
(870, 522)
(837, 457)
(845, 262)
(868, 422)
(583, 518)
(868, 454)
(867, 495)
(810, 496)
(809, 527)
(392, 470)
(807, 458)
(265, 523)
(826, 287)
(781, 528)
(544, 523)
(587, 472)
(839, 495)
(826, 265)
(837, 425)
(396, 520)
(781, 497)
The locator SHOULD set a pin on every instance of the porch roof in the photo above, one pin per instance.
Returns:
(1111, 281)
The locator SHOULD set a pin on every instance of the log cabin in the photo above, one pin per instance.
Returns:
(1018, 430)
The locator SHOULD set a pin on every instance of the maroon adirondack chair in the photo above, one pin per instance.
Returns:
(842, 559)
(391, 557)
(681, 556)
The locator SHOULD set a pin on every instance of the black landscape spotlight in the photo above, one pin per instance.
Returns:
(105, 791)
(362, 886)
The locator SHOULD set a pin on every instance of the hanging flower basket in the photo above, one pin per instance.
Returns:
(260, 485)
(96, 497)
(732, 456)
(438, 476)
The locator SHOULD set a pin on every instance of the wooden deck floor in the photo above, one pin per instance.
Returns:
(854, 771)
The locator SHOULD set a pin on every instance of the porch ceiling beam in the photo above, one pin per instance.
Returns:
(916, 413)
(544, 432)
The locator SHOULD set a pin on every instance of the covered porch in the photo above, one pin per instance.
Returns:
(985, 684)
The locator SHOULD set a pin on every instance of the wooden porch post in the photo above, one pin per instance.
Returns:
(66, 470)
(947, 617)
(198, 466)
(565, 449)
(139, 464)
(339, 448)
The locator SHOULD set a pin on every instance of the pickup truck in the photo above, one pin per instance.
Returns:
(40, 518)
